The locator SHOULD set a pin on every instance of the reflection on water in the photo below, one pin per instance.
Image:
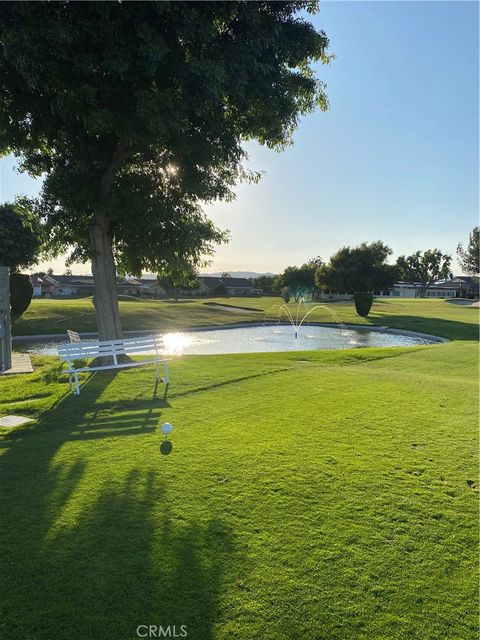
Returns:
(258, 339)
(177, 343)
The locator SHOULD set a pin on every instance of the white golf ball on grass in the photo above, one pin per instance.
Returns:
(166, 428)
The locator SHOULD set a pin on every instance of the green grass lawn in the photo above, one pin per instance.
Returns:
(311, 496)
(56, 316)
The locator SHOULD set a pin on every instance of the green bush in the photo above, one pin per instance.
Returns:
(21, 292)
(363, 302)
(220, 290)
(285, 295)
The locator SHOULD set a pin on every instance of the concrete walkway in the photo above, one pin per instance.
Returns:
(21, 363)
(465, 303)
(9, 422)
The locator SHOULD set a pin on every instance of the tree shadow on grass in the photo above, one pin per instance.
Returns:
(89, 554)
(451, 329)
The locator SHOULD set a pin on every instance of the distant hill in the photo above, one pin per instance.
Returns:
(239, 274)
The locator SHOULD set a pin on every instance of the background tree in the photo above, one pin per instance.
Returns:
(20, 235)
(264, 282)
(299, 279)
(225, 274)
(183, 276)
(140, 116)
(469, 258)
(20, 245)
(423, 269)
(361, 268)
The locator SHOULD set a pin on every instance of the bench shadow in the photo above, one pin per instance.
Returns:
(89, 553)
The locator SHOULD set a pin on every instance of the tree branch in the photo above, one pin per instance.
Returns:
(121, 152)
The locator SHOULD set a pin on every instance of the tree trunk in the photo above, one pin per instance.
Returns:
(103, 263)
(105, 276)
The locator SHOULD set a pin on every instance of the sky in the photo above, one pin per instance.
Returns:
(394, 159)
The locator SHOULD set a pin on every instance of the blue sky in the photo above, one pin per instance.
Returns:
(395, 158)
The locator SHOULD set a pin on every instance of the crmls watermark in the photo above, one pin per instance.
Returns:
(161, 631)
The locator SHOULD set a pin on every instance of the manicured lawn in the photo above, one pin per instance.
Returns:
(56, 316)
(435, 316)
(326, 495)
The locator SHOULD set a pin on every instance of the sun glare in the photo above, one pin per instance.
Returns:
(176, 343)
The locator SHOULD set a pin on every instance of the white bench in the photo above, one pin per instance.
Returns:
(70, 353)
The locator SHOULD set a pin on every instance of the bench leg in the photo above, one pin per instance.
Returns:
(77, 385)
(158, 379)
(166, 379)
(69, 381)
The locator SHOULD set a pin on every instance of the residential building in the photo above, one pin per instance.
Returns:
(410, 290)
(47, 286)
(464, 286)
(456, 287)
(210, 285)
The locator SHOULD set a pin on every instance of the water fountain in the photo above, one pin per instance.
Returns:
(296, 321)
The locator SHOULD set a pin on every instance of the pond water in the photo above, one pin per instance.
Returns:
(260, 339)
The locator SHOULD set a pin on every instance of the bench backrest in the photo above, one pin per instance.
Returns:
(73, 336)
(112, 348)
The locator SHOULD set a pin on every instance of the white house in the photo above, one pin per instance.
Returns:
(448, 289)
(409, 290)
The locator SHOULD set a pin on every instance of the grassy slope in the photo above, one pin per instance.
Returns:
(55, 316)
(320, 495)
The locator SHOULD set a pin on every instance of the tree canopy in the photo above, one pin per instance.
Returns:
(422, 269)
(361, 268)
(264, 282)
(299, 279)
(20, 235)
(136, 114)
(469, 258)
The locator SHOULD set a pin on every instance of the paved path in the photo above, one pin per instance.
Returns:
(21, 363)
(466, 303)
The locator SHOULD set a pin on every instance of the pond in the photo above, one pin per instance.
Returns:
(251, 339)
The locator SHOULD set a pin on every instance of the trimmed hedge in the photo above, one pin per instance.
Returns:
(21, 292)
(363, 302)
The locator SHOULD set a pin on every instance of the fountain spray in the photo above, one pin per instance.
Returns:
(296, 322)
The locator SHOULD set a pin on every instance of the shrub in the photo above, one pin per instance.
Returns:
(220, 290)
(285, 295)
(363, 302)
(21, 292)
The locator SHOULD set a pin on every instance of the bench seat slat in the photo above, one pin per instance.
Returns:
(73, 346)
(95, 350)
(88, 347)
(118, 366)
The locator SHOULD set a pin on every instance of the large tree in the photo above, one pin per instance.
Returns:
(469, 258)
(136, 114)
(422, 269)
(361, 268)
